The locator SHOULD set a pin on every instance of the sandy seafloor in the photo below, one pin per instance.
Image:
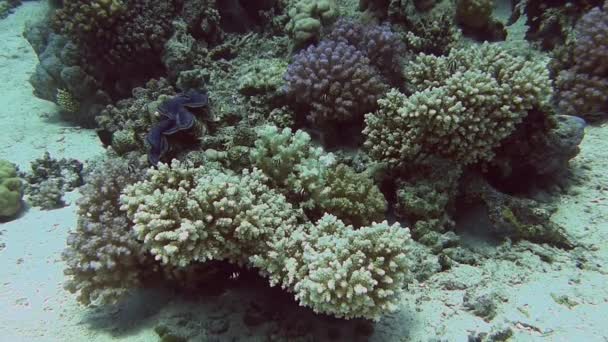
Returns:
(564, 299)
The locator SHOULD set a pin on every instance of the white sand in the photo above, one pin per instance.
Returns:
(25, 134)
(34, 307)
(33, 304)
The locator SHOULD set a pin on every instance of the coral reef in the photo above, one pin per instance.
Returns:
(434, 34)
(11, 191)
(462, 106)
(351, 196)
(219, 69)
(353, 273)
(474, 14)
(377, 42)
(282, 117)
(47, 195)
(282, 154)
(184, 215)
(426, 198)
(80, 18)
(202, 18)
(244, 16)
(537, 152)
(549, 23)
(582, 88)
(278, 147)
(335, 80)
(331, 278)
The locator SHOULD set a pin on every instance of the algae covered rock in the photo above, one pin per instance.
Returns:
(11, 190)
(515, 217)
(475, 14)
(48, 179)
(7, 6)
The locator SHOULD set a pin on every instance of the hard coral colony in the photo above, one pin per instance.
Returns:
(381, 129)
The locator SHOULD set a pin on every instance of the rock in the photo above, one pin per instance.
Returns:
(561, 146)
(538, 152)
(483, 305)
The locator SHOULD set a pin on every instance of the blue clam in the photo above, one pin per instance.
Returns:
(176, 117)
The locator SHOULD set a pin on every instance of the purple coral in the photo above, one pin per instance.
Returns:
(103, 257)
(341, 79)
(378, 42)
(583, 88)
(335, 80)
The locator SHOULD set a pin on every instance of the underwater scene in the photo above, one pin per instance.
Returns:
(303, 170)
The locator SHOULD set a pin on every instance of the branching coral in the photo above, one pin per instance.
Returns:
(342, 77)
(462, 106)
(103, 257)
(434, 34)
(377, 42)
(335, 80)
(426, 197)
(353, 273)
(311, 177)
(335, 269)
(185, 215)
(351, 196)
(278, 152)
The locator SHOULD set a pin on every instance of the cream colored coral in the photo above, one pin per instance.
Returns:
(353, 273)
(315, 178)
(338, 270)
(186, 215)
(462, 106)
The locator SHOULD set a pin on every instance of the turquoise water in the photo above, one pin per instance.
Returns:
(303, 170)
